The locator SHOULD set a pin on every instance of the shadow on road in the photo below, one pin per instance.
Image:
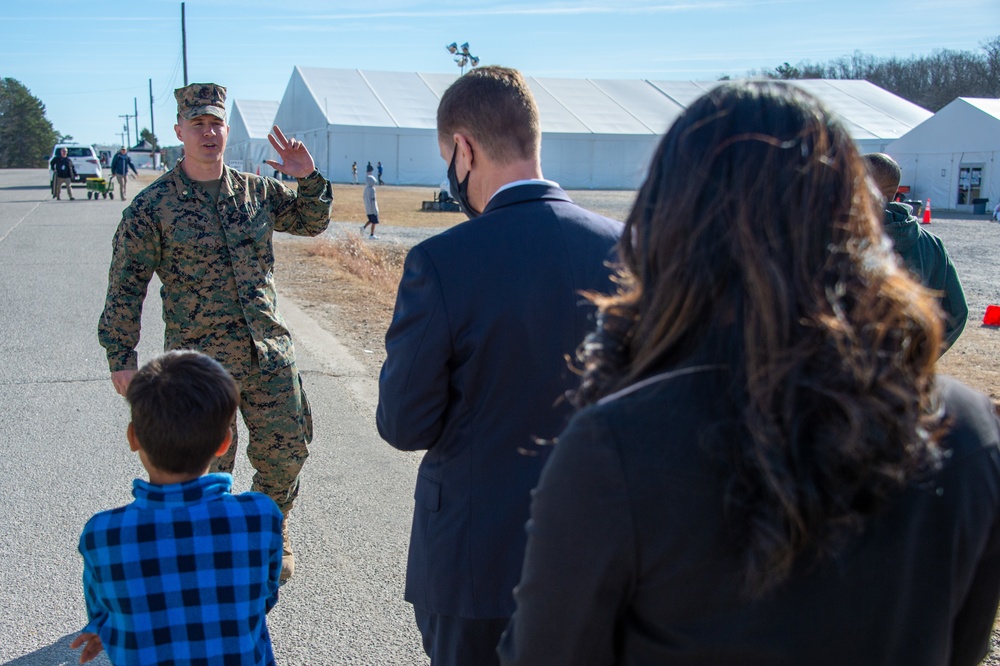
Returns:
(57, 654)
(29, 187)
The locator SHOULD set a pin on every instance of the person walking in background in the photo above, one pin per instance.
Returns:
(354, 172)
(205, 230)
(369, 168)
(921, 251)
(120, 164)
(63, 173)
(485, 314)
(766, 468)
(186, 560)
(379, 173)
(371, 206)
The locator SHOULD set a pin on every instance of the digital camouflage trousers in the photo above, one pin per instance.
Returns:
(279, 422)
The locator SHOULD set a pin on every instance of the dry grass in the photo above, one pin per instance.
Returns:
(348, 285)
(375, 268)
(398, 206)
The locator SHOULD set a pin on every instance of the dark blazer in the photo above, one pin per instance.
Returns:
(629, 560)
(485, 315)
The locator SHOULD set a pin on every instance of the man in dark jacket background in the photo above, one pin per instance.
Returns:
(921, 251)
(120, 164)
(475, 370)
(63, 173)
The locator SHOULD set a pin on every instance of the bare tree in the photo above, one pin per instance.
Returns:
(931, 81)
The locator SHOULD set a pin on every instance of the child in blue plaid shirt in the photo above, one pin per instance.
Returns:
(186, 573)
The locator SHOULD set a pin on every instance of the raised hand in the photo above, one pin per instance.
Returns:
(295, 158)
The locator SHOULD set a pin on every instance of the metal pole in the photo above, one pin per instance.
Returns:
(152, 131)
(128, 132)
(135, 109)
(184, 47)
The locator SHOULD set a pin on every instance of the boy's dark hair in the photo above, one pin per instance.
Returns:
(885, 172)
(183, 402)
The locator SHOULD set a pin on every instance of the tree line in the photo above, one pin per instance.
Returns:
(26, 135)
(931, 81)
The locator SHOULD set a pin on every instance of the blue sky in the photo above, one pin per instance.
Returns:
(87, 61)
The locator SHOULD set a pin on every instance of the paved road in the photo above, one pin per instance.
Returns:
(64, 455)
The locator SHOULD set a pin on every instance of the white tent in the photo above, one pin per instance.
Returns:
(346, 116)
(248, 147)
(596, 133)
(954, 157)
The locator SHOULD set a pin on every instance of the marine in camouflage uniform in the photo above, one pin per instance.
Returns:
(214, 257)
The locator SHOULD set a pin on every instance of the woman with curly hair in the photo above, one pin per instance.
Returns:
(766, 468)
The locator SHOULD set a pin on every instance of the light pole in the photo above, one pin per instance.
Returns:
(462, 55)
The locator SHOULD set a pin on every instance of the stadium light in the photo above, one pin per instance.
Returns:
(462, 55)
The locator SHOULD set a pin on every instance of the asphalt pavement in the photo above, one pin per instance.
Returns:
(63, 455)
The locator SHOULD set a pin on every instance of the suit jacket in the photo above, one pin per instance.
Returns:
(485, 315)
(630, 559)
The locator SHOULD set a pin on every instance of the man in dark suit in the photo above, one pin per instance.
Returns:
(486, 314)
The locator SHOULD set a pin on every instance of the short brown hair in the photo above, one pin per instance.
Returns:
(885, 172)
(495, 107)
(183, 402)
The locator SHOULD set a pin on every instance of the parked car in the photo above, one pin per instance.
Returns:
(84, 159)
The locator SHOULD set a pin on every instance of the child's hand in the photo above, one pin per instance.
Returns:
(92, 646)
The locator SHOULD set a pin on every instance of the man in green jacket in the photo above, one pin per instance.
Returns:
(205, 230)
(921, 251)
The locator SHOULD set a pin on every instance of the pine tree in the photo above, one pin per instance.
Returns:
(149, 137)
(26, 135)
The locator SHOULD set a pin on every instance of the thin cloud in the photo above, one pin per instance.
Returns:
(521, 10)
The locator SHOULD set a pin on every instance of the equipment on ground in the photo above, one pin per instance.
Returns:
(100, 187)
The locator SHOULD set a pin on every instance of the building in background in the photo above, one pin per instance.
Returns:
(953, 158)
(250, 121)
(596, 133)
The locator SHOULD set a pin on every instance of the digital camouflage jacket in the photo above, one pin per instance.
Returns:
(214, 260)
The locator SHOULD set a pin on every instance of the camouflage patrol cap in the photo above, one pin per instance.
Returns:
(199, 99)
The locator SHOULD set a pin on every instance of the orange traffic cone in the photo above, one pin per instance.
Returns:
(927, 212)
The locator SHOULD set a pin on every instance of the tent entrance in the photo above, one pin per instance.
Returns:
(970, 180)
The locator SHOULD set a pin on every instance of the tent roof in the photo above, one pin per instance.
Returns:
(253, 117)
(984, 104)
(581, 106)
(967, 124)
(866, 108)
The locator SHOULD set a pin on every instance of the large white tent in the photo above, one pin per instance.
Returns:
(596, 133)
(952, 158)
(249, 124)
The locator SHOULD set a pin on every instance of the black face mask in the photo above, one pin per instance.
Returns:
(460, 190)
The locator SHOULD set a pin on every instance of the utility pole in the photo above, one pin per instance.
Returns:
(152, 129)
(135, 110)
(184, 48)
(128, 132)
